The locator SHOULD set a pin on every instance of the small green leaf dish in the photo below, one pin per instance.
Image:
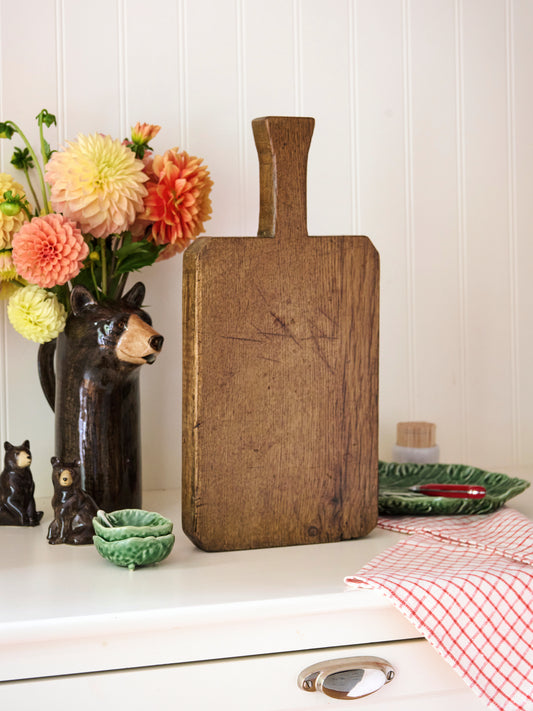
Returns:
(131, 523)
(395, 498)
(135, 552)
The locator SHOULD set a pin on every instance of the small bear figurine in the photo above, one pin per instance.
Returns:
(73, 508)
(17, 505)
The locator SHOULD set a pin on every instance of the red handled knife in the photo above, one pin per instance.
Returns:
(451, 491)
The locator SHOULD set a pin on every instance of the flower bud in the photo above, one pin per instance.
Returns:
(6, 130)
(142, 133)
(10, 209)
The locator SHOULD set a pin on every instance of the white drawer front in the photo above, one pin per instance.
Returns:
(262, 683)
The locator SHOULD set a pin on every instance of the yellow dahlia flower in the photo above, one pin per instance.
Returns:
(97, 182)
(36, 314)
(9, 224)
(7, 266)
(8, 288)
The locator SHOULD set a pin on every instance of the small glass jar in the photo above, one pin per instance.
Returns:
(415, 443)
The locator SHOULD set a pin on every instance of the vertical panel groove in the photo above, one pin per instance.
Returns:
(462, 231)
(123, 112)
(60, 73)
(513, 237)
(354, 123)
(241, 90)
(298, 60)
(409, 227)
(183, 73)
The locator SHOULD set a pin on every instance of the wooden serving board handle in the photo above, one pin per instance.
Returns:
(282, 144)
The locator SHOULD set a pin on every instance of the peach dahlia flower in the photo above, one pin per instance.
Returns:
(178, 199)
(97, 182)
(49, 250)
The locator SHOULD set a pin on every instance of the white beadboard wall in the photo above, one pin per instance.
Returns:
(423, 141)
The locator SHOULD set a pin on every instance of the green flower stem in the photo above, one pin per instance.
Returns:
(44, 154)
(93, 277)
(28, 213)
(104, 266)
(115, 283)
(35, 198)
(121, 284)
(116, 241)
(36, 162)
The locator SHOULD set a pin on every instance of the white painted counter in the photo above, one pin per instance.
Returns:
(66, 611)
(192, 606)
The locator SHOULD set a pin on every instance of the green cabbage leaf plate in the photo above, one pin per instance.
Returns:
(395, 498)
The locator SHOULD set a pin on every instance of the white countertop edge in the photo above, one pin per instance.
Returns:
(170, 636)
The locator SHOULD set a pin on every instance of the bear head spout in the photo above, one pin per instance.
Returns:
(123, 330)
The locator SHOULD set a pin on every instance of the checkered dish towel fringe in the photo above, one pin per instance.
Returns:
(466, 583)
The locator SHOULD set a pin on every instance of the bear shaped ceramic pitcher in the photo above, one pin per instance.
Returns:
(94, 392)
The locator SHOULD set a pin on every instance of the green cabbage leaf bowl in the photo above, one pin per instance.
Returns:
(131, 523)
(135, 552)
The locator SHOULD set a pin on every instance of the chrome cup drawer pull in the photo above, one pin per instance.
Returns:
(348, 678)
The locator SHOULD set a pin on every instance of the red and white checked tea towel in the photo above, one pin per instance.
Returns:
(466, 583)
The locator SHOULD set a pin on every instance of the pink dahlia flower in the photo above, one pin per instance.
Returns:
(178, 199)
(49, 250)
(97, 182)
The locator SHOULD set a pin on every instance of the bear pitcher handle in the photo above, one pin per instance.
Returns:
(47, 376)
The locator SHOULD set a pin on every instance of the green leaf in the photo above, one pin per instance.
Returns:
(138, 148)
(136, 255)
(84, 279)
(128, 246)
(47, 150)
(63, 295)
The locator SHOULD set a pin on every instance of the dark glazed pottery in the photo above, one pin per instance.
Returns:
(94, 392)
(73, 508)
(17, 505)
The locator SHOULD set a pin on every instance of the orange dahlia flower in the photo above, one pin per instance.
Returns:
(49, 250)
(178, 199)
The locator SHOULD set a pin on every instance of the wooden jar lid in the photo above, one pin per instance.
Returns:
(416, 434)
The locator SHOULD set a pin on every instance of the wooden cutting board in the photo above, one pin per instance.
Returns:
(280, 371)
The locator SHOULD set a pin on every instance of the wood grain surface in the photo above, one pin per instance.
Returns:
(280, 371)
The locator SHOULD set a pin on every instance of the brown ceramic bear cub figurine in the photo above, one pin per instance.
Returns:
(73, 508)
(17, 505)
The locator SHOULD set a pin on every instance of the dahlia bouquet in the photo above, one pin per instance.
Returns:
(102, 209)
